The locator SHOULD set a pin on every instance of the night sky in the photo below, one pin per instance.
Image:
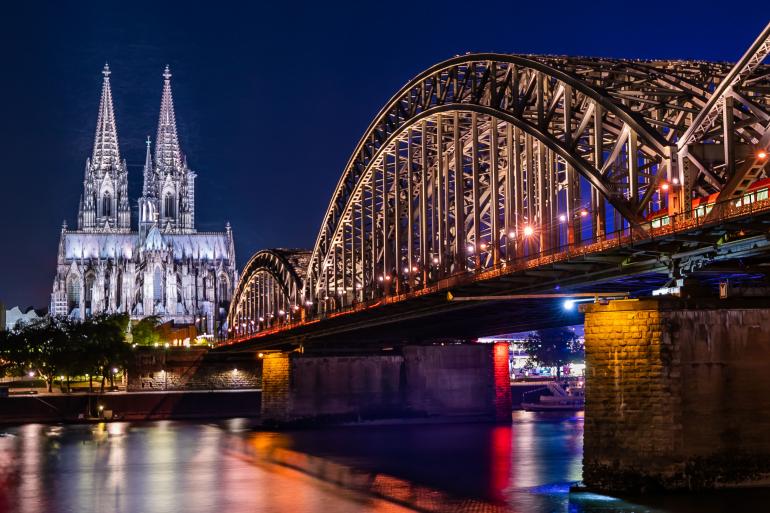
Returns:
(270, 99)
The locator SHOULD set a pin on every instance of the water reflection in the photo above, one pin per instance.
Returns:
(527, 466)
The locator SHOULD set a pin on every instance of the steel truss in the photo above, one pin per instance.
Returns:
(269, 291)
(487, 158)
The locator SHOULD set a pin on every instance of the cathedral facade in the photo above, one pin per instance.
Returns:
(164, 267)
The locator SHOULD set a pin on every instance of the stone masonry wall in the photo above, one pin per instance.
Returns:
(276, 382)
(677, 394)
(159, 369)
(456, 380)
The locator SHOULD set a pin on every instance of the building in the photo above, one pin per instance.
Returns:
(16, 316)
(164, 267)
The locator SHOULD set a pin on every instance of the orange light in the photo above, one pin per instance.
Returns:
(583, 213)
(664, 187)
(762, 155)
(528, 231)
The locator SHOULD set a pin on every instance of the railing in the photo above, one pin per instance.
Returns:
(727, 210)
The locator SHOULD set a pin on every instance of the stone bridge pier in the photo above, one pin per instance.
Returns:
(677, 394)
(460, 382)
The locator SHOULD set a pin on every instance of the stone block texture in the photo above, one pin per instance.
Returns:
(677, 394)
(158, 369)
(454, 380)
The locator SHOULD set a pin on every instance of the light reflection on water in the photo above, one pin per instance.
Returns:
(527, 466)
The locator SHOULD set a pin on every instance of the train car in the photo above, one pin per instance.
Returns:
(758, 191)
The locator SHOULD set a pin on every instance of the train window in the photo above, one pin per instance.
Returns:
(761, 194)
(665, 221)
(700, 211)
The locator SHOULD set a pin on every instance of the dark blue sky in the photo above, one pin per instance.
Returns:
(270, 99)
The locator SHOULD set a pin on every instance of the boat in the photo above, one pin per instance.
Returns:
(558, 399)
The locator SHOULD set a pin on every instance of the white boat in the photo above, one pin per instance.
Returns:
(559, 399)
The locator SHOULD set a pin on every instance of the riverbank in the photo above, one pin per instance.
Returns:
(170, 405)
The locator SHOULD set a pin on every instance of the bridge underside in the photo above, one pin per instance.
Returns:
(737, 251)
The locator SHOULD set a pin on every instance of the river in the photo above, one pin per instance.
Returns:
(527, 466)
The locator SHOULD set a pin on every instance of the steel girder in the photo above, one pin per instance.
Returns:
(557, 136)
(486, 159)
(269, 290)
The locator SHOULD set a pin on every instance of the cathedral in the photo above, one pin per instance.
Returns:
(165, 267)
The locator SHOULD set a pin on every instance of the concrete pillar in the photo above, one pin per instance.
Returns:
(677, 394)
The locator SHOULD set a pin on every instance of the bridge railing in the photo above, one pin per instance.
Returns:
(710, 215)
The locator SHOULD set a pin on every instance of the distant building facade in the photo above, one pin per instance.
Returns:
(165, 267)
(16, 316)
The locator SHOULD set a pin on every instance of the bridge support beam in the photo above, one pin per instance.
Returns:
(455, 381)
(677, 394)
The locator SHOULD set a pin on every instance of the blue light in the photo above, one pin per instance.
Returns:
(569, 304)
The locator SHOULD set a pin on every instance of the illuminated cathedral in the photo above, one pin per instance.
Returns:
(165, 267)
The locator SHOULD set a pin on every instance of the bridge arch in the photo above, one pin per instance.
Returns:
(269, 291)
(485, 158)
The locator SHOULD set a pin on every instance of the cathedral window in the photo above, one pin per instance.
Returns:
(168, 205)
(223, 289)
(73, 293)
(106, 205)
(89, 289)
(157, 285)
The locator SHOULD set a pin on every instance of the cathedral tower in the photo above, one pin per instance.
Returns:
(104, 205)
(169, 185)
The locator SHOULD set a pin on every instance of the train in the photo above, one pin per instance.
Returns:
(758, 191)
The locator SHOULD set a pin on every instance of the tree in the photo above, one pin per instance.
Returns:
(145, 332)
(554, 347)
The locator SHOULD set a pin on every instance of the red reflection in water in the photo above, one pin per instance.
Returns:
(501, 450)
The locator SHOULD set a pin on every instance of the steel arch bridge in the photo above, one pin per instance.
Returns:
(487, 161)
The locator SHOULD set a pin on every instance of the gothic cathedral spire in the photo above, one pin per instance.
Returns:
(104, 205)
(174, 199)
(106, 152)
(167, 153)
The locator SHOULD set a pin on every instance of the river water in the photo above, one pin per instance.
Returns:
(188, 467)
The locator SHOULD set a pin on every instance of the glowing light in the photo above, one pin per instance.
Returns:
(61, 378)
(664, 187)
(101, 408)
(529, 231)
(435, 260)
(406, 270)
(512, 235)
(309, 303)
(562, 218)
(583, 213)
(470, 249)
(414, 268)
(165, 345)
(569, 304)
(387, 277)
(31, 374)
(483, 246)
(261, 355)
(381, 278)
(261, 319)
(762, 155)
(675, 181)
(281, 312)
(235, 371)
(114, 370)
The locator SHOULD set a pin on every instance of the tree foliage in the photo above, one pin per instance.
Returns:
(554, 347)
(145, 332)
(59, 346)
